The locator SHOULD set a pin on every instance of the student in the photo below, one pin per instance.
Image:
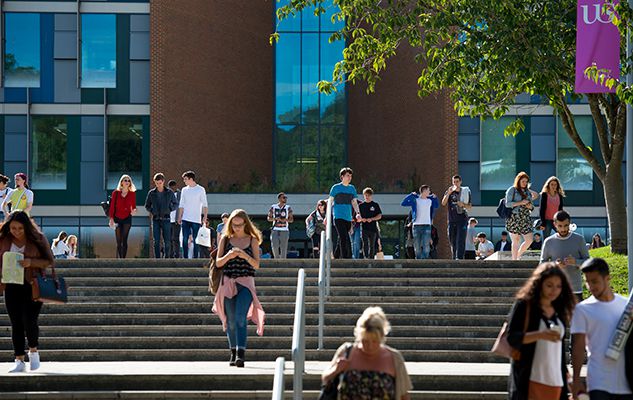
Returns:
(20, 198)
(504, 244)
(471, 239)
(370, 212)
(344, 201)
(552, 195)
(592, 326)
(5, 191)
(173, 220)
(59, 247)
(280, 215)
(73, 246)
(122, 208)
(520, 198)
(458, 199)
(160, 203)
(485, 248)
(423, 208)
(193, 204)
(537, 244)
(224, 217)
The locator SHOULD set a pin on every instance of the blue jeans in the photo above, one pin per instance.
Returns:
(602, 395)
(165, 226)
(422, 241)
(236, 310)
(354, 237)
(457, 238)
(548, 224)
(190, 228)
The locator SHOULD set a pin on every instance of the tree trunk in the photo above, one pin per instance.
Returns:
(616, 210)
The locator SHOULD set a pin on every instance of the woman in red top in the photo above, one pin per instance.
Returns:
(551, 202)
(122, 207)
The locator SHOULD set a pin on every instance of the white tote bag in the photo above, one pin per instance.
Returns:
(204, 237)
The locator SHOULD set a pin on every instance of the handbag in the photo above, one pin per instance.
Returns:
(215, 273)
(203, 238)
(329, 390)
(311, 228)
(503, 211)
(106, 206)
(502, 347)
(50, 289)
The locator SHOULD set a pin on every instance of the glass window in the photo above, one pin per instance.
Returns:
(49, 153)
(99, 242)
(288, 156)
(125, 146)
(498, 155)
(574, 171)
(333, 105)
(288, 78)
(98, 50)
(22, 50)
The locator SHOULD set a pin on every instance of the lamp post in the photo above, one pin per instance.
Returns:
(629, 164)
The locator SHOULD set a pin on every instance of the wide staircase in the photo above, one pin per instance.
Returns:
(159, 311)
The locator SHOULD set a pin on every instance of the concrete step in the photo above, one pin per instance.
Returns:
(275, 291)
(227, 395)
(105, 331)
(313, 272)
(352, 310)
(271, 319)
(254, 343)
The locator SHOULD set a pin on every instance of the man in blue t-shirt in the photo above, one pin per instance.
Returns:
(344, 198)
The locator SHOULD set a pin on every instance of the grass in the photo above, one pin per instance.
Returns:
(618, 267)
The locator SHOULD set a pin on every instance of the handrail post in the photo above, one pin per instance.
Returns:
(322, 279)
(278, 380)
(298, 337)
(328, 237)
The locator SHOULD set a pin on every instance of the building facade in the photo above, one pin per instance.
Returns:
(94, 89)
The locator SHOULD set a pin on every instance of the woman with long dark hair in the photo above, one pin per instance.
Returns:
(544, 305)
(520, 198)
(59, 247)
(596, 241)
(552, 195)
(19, 235)
(315, 224)
(122, 208)
(236, 298)
(20, 198)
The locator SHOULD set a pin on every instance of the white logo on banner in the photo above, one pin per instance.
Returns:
(598, 15)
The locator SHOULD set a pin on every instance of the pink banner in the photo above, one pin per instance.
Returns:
(597, 43)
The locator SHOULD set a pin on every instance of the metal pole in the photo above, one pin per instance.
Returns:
(629, 163)
(298, 338)
(322, 256)
(328, 239)
(278, 380)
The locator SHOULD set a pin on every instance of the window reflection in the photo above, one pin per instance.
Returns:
(498, 155)
(99, 242)
(125, 145)
(98, 51)
(574, 171)
(22, 50)
(49, 153)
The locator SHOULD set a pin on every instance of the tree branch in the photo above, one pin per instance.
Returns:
(602, 129)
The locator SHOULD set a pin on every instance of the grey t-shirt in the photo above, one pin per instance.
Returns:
(556, 247)
(470, 237)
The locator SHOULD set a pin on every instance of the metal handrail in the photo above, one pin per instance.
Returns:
(299, 337)
(328, 246)
(278, 380)
(322, 286)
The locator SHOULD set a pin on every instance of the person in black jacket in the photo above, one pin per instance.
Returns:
(504, 244)
(537, 325)
(551, 202)
(160, 202)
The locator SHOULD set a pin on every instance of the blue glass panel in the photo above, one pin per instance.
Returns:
(22, 50)
(543, 148)
(309, 21)
(326, 18)
(333, 105)
(288, 156)
(125, 144)
(288, 78)
(310, 77)
(290, 24)
(543, 126)
(469, 125)
(48, 154)
(468, 148)
(469, 172)
(498, 155)
(98, 51)
(574, 171)
(539, 172)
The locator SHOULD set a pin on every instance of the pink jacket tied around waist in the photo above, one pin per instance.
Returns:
(228, 289)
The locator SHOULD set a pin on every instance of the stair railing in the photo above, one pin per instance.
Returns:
(328, 247)
(278, 380)
(322, 286)
(299, 337)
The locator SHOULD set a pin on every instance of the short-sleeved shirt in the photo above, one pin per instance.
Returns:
(456, 213)
(280, 212)
(369, 210)
(485, 247)
(20, 199)
(598, 320)
(470, 239)
(343, 196)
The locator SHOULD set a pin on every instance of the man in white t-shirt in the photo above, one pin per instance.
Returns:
(485, 248)
(193, 205)
(593, 323)
(280, 215)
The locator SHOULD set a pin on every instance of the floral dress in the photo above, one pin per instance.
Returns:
(520, 222)
(367, 385)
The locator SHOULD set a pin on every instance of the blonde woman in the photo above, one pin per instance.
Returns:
(122, 208)
(73, 246)
(551, 202)
(372, 370)
(236, 299)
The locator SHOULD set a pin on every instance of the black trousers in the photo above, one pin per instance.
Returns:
(175, 240)
(23, 313)
(370, 239)
(343, 244)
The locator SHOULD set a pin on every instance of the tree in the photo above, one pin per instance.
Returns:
(485, 53)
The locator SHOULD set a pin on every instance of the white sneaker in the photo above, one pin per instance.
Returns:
(34, 360)
(20, 366)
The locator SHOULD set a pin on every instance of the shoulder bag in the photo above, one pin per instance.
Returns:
(329, 391)
(502, 347)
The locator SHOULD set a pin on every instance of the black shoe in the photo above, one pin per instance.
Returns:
(233, 357)
(239, 361)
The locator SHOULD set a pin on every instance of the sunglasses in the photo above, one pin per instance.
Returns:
(234, 225)
(126, 180)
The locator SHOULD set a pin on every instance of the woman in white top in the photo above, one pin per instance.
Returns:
(73, 246)
(20, 198)
(59, 247)
(537, 326)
